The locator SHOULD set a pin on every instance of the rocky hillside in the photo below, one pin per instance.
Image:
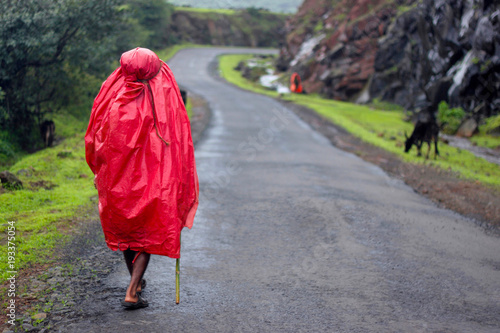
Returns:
(242, 28)
(411, 52)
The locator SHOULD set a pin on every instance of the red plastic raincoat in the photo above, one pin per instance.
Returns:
(145, 168)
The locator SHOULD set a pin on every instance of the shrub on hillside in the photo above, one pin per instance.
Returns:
(492, 125)
(451, 118)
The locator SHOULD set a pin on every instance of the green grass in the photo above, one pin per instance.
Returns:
(167, 53)
(487, 141)
(43, 217)
(384, 129)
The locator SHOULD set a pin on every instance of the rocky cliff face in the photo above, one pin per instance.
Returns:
(411, 52)
(244, 28)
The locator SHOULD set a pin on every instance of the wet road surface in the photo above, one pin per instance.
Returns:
(295, 235)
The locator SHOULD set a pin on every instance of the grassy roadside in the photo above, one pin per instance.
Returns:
(58, 186)
(384, 129)
(169, 52)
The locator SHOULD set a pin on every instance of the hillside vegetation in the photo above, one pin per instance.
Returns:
(279, 6)
(246, 27)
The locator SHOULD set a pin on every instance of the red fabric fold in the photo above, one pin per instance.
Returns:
(148, 190)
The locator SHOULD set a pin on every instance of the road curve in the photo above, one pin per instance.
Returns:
(295, 235)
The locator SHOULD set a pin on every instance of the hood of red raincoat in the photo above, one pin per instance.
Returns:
(140, 64)
(139, 146)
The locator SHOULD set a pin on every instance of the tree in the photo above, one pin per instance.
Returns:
(42, 44)
(150, 21)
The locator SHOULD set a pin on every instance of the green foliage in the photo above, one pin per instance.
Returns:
(381, 128)
(492, 124)
(8, 151)
(254, 12)
(319, 26)
(404, 9)
(148, 23)
(41, 43)
(450, 117)
(489, 133)
(55, 55)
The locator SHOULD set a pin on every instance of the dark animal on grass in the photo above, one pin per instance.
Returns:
(47, 130)
(426, 130)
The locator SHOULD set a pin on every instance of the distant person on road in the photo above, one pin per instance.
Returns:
(139, 147)
(296, 84)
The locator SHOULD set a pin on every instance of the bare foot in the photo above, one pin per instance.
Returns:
(131, 299)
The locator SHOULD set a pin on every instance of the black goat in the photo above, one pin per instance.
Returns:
(47, 130)
(426, 130)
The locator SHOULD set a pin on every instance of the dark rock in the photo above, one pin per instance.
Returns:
(40, 316)
(468, 128)
(9, 181)
(484, 36)
(29, 328)
(438, 91)
(240, 66)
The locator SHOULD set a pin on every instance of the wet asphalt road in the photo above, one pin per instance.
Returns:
(295, 235)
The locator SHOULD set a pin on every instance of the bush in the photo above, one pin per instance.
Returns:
(7, 151)
(492, 125)
(41, 43)
(451, 118)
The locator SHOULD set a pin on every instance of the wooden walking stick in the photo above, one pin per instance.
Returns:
(177, 278)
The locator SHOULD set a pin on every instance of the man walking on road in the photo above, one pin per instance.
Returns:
(138, 145)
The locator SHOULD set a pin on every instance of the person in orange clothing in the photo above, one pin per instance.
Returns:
(296, 84)
(138, 145)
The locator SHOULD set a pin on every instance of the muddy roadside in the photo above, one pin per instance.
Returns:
(46, 294)
(469, 198)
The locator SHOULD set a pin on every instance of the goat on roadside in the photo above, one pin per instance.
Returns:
(47, 130)
(426, 130)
